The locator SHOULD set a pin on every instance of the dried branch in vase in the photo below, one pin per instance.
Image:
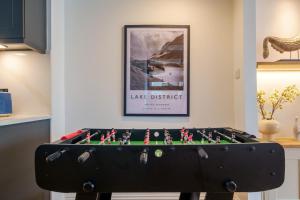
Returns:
(277, 99)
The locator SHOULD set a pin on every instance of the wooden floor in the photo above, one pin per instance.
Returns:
(242, 196)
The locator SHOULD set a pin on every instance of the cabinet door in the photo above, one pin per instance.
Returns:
(17, 147)
(36, 24)
(11, 19)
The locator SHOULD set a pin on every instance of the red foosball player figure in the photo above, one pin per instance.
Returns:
(113, 134)
(147, 131)
(182, 134)
(88, 138)
(113, 137)
(147, 134)
(182, 130)
(146, 140)
(190, 138)
(185, 137)
(108, 137)
(102, 139)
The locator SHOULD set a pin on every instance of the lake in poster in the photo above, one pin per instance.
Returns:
(157, 70)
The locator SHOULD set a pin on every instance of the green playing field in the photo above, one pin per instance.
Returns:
(161, 142)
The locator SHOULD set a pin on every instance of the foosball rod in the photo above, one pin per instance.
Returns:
(85, 139)
(227, 137)
(205, 136)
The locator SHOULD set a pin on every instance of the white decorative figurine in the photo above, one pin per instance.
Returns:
(296, 129)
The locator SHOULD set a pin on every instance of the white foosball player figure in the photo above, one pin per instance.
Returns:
(88, 138)
(296, 129)
(108, 137)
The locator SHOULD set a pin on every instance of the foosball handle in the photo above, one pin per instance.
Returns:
(85, 156)
(230, 186)
(144, 157)
(88, 186)
(202, 153)
(55, 156)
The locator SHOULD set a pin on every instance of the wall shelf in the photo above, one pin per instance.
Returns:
(282, 65)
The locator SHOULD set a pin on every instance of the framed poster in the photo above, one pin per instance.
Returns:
(156, 70)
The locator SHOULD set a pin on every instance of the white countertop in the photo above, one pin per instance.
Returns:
(17, 119)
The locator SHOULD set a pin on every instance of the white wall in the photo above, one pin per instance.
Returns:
(282, 19)
(94, 60)
(26, 75)
(91, 73)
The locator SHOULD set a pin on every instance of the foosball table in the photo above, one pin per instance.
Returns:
(94, 163)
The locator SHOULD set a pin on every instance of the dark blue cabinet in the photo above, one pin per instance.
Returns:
(24, 22)
(11, 20)
(17, 147)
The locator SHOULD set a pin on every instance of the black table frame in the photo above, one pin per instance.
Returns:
(211, 168)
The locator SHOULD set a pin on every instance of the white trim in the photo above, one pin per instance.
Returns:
(57, 56)
(57, 59)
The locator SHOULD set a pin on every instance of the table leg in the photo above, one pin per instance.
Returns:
(86, 196)
(219, 196)
(93, 196)
(104, 196)
(189, 196)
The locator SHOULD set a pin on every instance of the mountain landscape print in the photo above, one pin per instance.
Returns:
(156, 59)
